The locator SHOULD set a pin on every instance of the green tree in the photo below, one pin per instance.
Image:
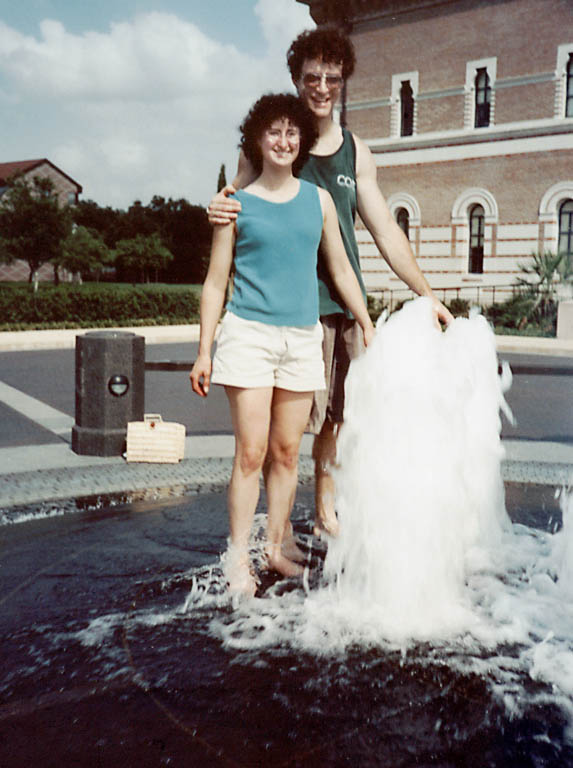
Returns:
(143, 255)
(185, 230)
(33, 226)
(84, 253)
(108, 222)
(222, 180)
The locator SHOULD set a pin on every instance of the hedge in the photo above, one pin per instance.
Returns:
(96, 304)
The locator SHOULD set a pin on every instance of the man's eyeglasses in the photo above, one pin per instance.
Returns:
(313, 80)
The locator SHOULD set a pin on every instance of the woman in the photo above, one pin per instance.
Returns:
(269, 354)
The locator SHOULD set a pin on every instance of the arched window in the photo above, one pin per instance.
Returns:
(566, 229)
(483, 98)
(406, 109)
(403, 219)
(569, 88)
(477, 221)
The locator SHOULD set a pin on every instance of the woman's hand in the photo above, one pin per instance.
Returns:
(223, 209)
(368, 332)
(200, 375)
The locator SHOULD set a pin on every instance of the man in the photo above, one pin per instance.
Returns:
(319, 62)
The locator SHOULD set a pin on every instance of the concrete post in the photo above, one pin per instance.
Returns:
(565, 319)
(110, 390)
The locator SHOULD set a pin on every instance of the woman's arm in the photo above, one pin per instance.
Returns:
(223, 209)
(212, 300)
(343, 276)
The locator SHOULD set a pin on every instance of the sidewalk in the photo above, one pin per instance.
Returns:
(13, 341)
(36, 474)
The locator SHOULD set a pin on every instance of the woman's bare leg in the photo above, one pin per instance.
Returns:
(289, 416)
(250, 413)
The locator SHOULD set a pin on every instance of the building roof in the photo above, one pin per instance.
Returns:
(17, 168)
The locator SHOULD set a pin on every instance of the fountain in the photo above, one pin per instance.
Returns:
(434, 631)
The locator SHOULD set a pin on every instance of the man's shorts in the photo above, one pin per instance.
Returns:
(343, 341)
(251, 354)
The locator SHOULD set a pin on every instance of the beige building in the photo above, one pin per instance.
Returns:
(66, 189)
(467, 106)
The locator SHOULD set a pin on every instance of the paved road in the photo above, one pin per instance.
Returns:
(48, 376)
(542, 403)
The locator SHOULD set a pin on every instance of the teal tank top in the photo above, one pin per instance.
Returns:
(337, 174)
(276, 251)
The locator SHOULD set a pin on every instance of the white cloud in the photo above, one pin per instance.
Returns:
(281, 22)
(150, 107)
(155, 56)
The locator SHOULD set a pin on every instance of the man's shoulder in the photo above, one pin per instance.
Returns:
(364, 157)
(360, 144)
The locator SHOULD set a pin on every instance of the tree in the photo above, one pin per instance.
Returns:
(222, 180)
(84, 253)
(107, 222)
(143, 254)
(185, 230)
(543, 273)
(32, 224)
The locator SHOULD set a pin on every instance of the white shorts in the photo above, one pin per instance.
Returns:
(252, 354)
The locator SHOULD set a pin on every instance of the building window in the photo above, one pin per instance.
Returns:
(569, 88)
(477, 221)
(403, 219)
(482, 98)
(479, 88)
(406, 109)
(404, 105)
(566, 229)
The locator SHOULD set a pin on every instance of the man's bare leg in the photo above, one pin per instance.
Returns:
(324, 455)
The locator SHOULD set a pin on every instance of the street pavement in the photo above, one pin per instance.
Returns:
(39, 467)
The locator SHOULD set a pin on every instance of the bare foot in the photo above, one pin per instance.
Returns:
(328, 526)
(281, 564)
(292, 551)
(238, 573)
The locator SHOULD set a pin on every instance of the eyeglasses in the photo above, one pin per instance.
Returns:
(292, 133)
(313, 80)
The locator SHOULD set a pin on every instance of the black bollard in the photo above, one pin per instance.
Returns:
(110, 390)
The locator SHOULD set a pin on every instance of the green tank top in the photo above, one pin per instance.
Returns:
(337, 174)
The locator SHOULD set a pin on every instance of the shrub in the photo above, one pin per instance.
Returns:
(459, 307)
(375, 307)
(96, 304)
(522, 313)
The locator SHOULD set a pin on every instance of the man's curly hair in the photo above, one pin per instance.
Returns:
(327, 44)
(263, 113)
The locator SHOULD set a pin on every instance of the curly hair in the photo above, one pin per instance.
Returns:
(328, 44)
(263, 113)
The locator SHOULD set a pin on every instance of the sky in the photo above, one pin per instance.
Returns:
(135, 98)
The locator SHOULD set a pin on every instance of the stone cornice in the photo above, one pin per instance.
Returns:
(350, 12)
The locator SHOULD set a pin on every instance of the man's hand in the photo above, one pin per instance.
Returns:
(441, 313)
(200, 375)
(223, 209)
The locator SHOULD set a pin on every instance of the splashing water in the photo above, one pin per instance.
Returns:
(419, 492)
(427, 561)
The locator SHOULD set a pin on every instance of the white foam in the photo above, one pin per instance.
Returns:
(419, 491)
(426, 550)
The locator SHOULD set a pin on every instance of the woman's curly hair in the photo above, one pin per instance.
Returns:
(263, 113)
(327, 44)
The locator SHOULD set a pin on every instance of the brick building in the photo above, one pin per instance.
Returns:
(66, 189)
(467, 106)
